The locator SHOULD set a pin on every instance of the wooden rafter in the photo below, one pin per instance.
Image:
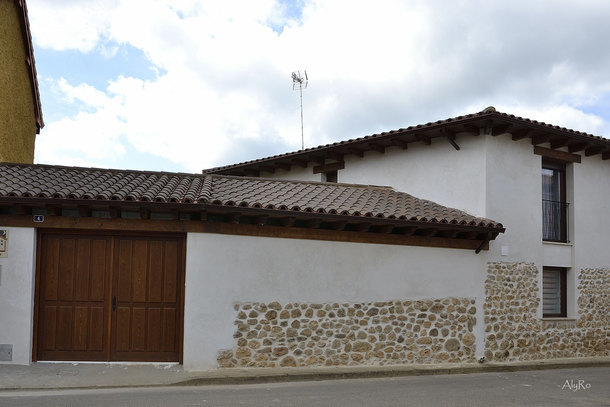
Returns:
(284, 166)
(539, 139)
(355, 151)
(400, 143)
(589, 151)
(450, 136)
(377, 147)
(497, 130)
(299, 162)
(558, 142)
(574, 147)
(520, 134)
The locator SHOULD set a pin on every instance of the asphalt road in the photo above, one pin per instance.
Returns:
(563, 387)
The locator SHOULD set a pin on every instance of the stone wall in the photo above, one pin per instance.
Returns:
(514, 330)
(379, 333)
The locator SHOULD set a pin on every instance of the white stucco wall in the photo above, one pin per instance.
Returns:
(296, 173)
(591, 212)
(513, 197)
(436, 172)
(283, 270)
(17, 293)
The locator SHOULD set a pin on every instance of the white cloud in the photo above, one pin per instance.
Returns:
(225, 70)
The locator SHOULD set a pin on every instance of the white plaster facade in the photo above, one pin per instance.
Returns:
(288, 270)
(17, 272)
(493, 177)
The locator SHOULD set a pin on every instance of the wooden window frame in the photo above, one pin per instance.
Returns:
(563, 282)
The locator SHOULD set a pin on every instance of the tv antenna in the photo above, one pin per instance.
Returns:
(302, 82)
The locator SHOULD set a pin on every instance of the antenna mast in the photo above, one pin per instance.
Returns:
(302, 82)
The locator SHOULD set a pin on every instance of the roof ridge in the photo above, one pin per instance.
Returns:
(80, 168)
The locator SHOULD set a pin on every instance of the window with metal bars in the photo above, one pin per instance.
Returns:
(554, 205)
(554, 292)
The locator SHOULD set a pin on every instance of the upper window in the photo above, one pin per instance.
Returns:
(330, 176)
(554, 205)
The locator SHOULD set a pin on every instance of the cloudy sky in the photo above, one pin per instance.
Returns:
(183, 85)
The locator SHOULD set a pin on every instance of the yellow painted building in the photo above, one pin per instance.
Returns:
(20, 109)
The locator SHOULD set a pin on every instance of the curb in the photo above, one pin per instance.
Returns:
(375, 373)
(259, 376)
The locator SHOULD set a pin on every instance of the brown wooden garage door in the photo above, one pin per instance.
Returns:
(109, 297)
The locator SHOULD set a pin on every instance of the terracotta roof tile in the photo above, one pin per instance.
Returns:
(488, 113)
(90, 184)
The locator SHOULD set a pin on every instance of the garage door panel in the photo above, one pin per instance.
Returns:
(99, 269)
(83, 265)
(155, 272)
(153, 329)
(138, 329)
(65, 287)
(122, 328)
(169, 329)
(171, 271)
(97, 329)
(48, 331)
(139, 271)
(123, 289)
(50, 268)
(81, 328)
(65, 326)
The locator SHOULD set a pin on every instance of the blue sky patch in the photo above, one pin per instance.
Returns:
(291, 10)
(94, 68)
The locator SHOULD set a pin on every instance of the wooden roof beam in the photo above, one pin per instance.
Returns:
(377, 147)
(558, 142)
(384, 229)
(428, 232)
(451, 234)
(497, 130)
(399, 143)
(539, 139)
(261, 220)
(355, 151)
(593, 150)
(472, 129)
(339, 225)
(314, 223)
(289, 221)
(450, 136)
(233, 217)
(299, 162)
(427, 140)
(268, 168)
(364, 227)
(250, 172)
(489, 127)
(520, 134)
(572, 148)
(283, 166)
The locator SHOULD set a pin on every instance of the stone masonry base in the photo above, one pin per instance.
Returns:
(333, 334)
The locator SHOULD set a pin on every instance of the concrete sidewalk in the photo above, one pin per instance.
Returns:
(108, 375)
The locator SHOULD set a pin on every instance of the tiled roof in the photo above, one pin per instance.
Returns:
(31, 183)
(406, 135)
